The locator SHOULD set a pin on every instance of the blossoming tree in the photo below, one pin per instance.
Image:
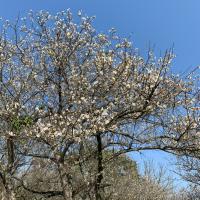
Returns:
(64, 86)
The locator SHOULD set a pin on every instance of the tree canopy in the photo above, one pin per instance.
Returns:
(73, 101)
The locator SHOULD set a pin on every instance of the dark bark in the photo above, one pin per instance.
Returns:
(60, 103)
(11, 153)
(99, 177)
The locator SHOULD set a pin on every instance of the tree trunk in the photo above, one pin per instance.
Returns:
(6, 192)
(6, 187)
(99, 178)
(11, 153)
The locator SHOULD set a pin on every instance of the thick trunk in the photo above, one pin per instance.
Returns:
(11, 153)
(98, 192)
(6, 187)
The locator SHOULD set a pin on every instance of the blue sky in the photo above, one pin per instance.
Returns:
(156, 23)
(159, 23)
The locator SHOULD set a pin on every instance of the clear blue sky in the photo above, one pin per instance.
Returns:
(159, 23)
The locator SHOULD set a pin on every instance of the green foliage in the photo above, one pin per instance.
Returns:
(18, 123)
